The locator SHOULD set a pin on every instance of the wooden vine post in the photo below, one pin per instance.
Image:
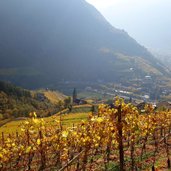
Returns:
(120, 132)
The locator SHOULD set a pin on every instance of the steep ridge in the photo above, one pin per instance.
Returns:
(44, 42)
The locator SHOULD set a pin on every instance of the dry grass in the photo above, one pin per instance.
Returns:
(54, 96)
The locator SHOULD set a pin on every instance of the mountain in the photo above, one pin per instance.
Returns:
(44, 42)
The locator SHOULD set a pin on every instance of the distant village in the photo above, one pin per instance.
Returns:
(139, 103)
(138, 91)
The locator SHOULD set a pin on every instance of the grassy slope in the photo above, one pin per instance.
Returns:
(54, 97)
(18, 102)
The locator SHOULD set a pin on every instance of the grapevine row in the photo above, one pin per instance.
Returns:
(119, 136)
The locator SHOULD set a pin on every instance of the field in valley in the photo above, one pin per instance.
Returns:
(68, 120)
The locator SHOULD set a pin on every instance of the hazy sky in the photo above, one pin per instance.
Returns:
(148, 21)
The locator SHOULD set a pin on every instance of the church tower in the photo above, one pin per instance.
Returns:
(74, 95)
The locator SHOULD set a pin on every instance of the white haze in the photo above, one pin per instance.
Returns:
(148, 21)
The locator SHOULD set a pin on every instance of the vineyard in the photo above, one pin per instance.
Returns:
(119, 138)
